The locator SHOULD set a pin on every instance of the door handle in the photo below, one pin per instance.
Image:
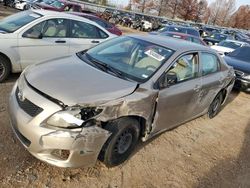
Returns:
(197, 88)
(95, 41)
(60, 41)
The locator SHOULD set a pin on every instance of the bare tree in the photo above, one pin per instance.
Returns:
(228, 11)
(144, 5)
(187, 9)
(240, 19)
(173, 5)
(201, 11)
(163, 7)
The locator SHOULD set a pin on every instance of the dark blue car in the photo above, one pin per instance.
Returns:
(239, 59)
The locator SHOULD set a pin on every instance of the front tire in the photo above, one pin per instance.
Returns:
(215, 106)
(4, 68)
(120, 145)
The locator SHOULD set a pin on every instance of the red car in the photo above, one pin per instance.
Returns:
(184, 36)
(108, 26)
(60, 6)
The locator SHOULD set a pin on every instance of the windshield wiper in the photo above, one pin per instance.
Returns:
(105, 67)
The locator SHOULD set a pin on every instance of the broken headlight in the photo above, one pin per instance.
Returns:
(73, 117)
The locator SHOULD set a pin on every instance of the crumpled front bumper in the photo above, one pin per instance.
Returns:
(242, 84)
(59, 147)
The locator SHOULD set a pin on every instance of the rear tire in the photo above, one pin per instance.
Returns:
(4, 68)
(120, 145)
(215, 106)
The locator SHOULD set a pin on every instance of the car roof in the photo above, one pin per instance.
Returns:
(55, 13)
(172, 43)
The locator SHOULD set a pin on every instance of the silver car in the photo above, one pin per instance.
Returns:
(98, 103)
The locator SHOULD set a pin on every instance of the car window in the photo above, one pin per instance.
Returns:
(16, 21)
(193, 32)
(99, 22)
(51, 28)
(230, 44)
(186, 67)
(85, 30)
(209, 63)
(242, 53)
(197, 41)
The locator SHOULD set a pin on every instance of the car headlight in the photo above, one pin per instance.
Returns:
(247, 77)
(73, 117)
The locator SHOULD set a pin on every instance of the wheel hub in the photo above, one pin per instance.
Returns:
(2, 69)
(124, 142)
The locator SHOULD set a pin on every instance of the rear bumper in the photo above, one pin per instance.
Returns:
(59, 147)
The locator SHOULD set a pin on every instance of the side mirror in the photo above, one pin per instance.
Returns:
(168, 79)
(33, 35)
(171, 78)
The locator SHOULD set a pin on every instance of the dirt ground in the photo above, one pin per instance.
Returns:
(201, 153)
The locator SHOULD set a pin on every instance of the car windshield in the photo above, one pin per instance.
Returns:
(57, 4)
(16, 21)
(219, 36)
(230, 44)
(193, 32)
(136, 59)
(242, 53)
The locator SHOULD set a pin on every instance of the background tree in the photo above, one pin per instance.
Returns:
(227, 11)
(240, 19)
(143, 5)
(202, 11)
(187, 9)
(173, 5)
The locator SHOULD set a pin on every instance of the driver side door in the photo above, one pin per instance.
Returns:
(178, 99)
(53, 44)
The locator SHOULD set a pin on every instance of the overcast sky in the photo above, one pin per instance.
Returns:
(238, 2)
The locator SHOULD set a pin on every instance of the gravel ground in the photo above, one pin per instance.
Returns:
(201, 153)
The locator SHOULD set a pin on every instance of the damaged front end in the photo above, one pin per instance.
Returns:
(72, 136)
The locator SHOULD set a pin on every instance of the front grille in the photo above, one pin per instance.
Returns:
(239, 73)
(27, 105)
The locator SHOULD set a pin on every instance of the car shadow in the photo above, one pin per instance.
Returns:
(232, 96)
(12, 78)
(231, 171)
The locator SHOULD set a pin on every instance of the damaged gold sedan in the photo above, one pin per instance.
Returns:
(97, 104)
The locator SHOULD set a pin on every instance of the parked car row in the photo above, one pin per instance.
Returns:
(77, 101)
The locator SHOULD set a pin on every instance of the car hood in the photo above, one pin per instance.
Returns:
(238, 64)
(72, 81)
(222, 48)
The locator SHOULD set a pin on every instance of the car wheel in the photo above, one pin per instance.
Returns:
(215, 106)
(117, 149)
(4, 68)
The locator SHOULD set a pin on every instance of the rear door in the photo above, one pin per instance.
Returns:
(85, 35)
(212, 78)
(178, 102)
(53, 44)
